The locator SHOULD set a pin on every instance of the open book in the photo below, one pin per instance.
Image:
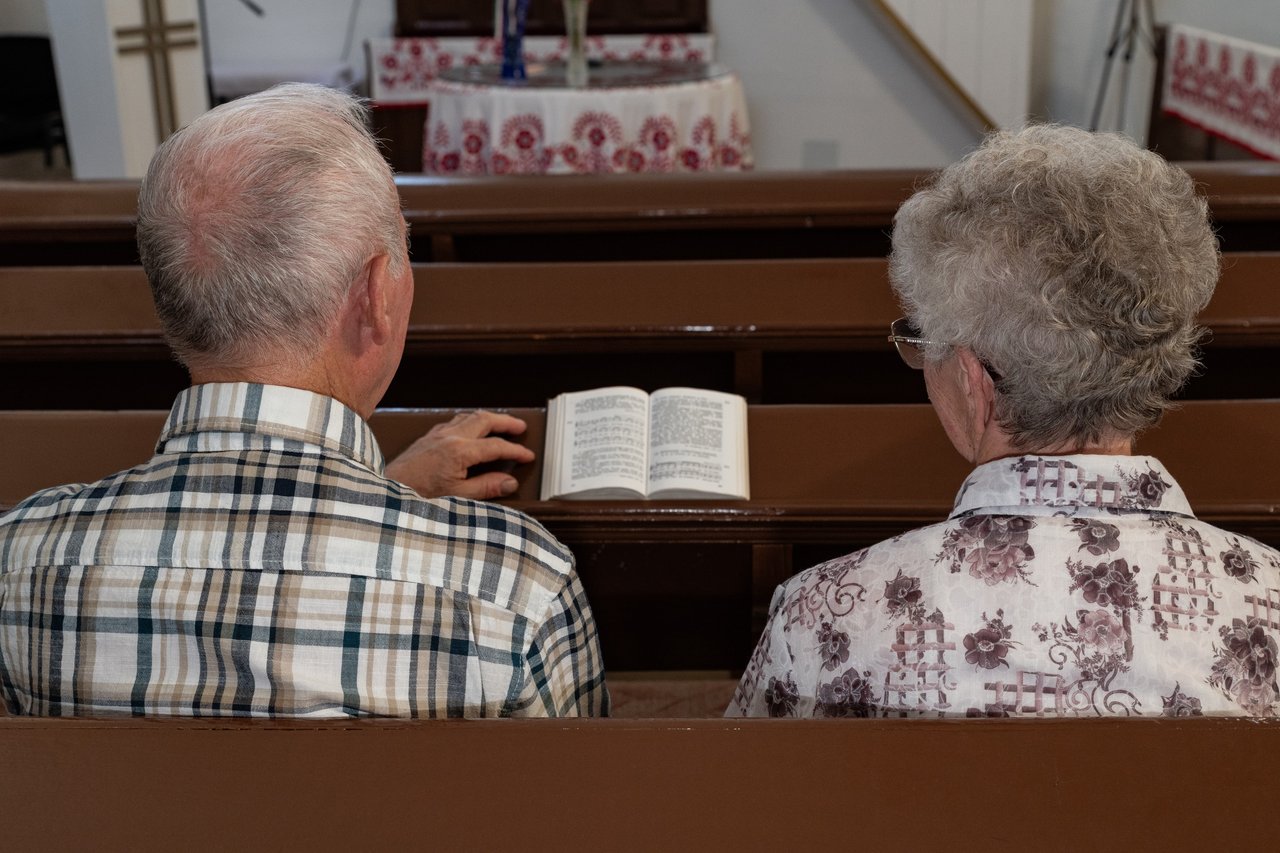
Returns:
(623, 443)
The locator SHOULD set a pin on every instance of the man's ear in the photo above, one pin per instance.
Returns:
(371, 299)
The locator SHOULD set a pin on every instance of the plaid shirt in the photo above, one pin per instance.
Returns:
(261, 565)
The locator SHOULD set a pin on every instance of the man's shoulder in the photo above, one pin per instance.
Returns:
(493, 552)
(336, 518)
(39, 510)
(484, 522)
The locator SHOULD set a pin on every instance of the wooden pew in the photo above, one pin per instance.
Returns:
(142, 785)
(484, 334)
(60, 222)
(775, 331)
(618, 217)
(825, 480)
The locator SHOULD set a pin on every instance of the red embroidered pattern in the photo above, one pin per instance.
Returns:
(596, 135)
(597, 145)
(1213, 83)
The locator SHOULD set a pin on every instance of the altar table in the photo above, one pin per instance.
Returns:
(401, 69)
(631, 117)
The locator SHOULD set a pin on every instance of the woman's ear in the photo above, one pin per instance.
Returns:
(979, 391)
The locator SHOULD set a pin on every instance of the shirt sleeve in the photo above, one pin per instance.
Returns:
(564, 671)
(768, 686)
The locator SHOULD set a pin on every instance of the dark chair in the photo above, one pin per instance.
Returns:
(30, 112)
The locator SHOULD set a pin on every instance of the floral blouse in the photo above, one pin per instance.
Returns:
(1058, 586)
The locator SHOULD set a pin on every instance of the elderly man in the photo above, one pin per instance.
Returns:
(264, 562)
(1051, 281)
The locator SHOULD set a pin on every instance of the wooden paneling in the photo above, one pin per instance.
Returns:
(401, 131)
(437, 18)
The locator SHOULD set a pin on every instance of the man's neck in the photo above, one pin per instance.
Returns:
(314, 377)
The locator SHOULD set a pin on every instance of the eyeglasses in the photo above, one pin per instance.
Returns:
(910, 345)
(908, 342)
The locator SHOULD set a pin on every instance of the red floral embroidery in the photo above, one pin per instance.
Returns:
(435, 143)
(657, 137)
(595, 137)
(597, 143)
(522, 141)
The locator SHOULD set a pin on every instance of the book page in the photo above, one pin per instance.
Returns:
(697, 444)
(602, 439)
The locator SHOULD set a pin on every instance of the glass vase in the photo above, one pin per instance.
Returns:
(575, 27)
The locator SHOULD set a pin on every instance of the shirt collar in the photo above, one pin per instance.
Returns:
(240, 415)
(1111, 484)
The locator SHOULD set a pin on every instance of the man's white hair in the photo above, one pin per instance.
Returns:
(255, 219)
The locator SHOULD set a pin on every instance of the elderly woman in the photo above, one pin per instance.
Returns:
(1051, 281)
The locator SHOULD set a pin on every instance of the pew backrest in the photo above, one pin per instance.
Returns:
(813, 468)
(141, 785)
(840, 303)
(825, 480)
(775, 331)
(762, 214)
(779, 304)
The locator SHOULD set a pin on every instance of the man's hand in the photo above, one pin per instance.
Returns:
(436, 464)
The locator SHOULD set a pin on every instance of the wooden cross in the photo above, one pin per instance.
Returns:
(157, 38)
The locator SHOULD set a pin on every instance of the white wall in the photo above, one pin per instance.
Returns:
(830, 72)
(23, 17)
(1072, 38)
(90, 109)
(828, 85)
(293, 31)
(984, 45)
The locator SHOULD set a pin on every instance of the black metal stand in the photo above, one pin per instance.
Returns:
(1127, 32)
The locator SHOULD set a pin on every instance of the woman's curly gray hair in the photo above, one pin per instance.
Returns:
(1074, 264)
(256, 218)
